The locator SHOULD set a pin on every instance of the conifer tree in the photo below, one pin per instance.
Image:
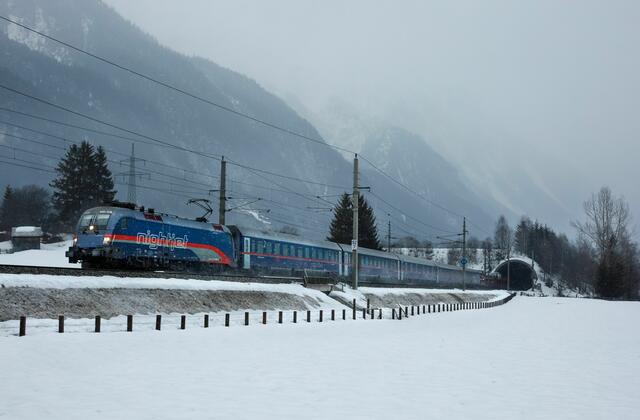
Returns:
(5, 208)
(104, 181)
(341, 229)
(83, 181)
(25, 206)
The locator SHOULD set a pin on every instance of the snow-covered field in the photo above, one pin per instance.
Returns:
(534, 358)
(50, 255)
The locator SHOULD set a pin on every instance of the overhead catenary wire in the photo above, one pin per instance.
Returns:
(225, 108)
(176, 89)
(36, 168)
(163, 142)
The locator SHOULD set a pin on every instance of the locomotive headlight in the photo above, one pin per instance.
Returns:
(91, 227)
(106, 240)
(75, 240)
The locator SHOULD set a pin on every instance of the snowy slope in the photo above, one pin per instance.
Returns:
(461, 365)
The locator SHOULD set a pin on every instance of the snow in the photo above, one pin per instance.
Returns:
(534, 358)
(348, 294)
(46, 281)
(50, 255)
(25, 229)
(5, 246)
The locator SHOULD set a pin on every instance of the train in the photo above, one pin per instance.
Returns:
(121, 235)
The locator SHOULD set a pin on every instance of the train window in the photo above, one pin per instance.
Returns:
(300, 252)
(260, 247)
(101, 221)
(268, 248)
(306, 252)
(253, 246)
(285, 250)
(276, 248)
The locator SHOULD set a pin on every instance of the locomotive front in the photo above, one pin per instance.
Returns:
(92, 239)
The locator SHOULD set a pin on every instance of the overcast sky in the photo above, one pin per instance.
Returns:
(555, 82)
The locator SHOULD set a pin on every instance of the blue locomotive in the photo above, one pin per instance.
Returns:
(128, 237)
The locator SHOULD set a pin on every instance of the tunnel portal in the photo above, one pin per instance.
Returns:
(520, 273)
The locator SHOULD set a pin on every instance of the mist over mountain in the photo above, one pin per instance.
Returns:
(46, 70)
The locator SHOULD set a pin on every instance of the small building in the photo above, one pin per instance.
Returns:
(26, 237)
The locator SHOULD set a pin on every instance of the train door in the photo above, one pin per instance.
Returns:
(246, 255)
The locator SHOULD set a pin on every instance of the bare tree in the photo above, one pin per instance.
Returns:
(503, 238)
(607, 230)
(607, 221)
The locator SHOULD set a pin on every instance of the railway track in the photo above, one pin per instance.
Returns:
(77, 272)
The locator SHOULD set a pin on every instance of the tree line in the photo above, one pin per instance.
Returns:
(603, 259)
(83, 180)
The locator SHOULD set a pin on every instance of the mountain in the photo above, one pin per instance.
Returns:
(409, 157)
(151, 113)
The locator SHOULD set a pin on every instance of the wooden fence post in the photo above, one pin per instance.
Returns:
(158, 322)
(60, 323)
(129, 323)
(308, 316)
(400, 313)
(23, 326)
(412, 309)
(406, 312)
(380, 314)
(333, 314)
(264, 318)
(393, 313)
(344, 314)
(368, 305)
(206, 320)
(183, 322)
(364, 313)
(246, 318)
(354, 309)
(97, 324)
(279, 317)
(226, 320)
(295, 317)
(320, 316)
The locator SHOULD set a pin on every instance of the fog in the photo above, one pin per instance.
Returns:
(541, 94)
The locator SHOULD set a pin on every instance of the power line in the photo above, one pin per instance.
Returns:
(25, 166)
(108, 124)
(163, 142)
(114, 162)
(409, 189)
(407, 215)
(225, 108)
(174, 88)
(167, 85)
(104, 133)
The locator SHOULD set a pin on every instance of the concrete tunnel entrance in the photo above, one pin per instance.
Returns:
(520, 273)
